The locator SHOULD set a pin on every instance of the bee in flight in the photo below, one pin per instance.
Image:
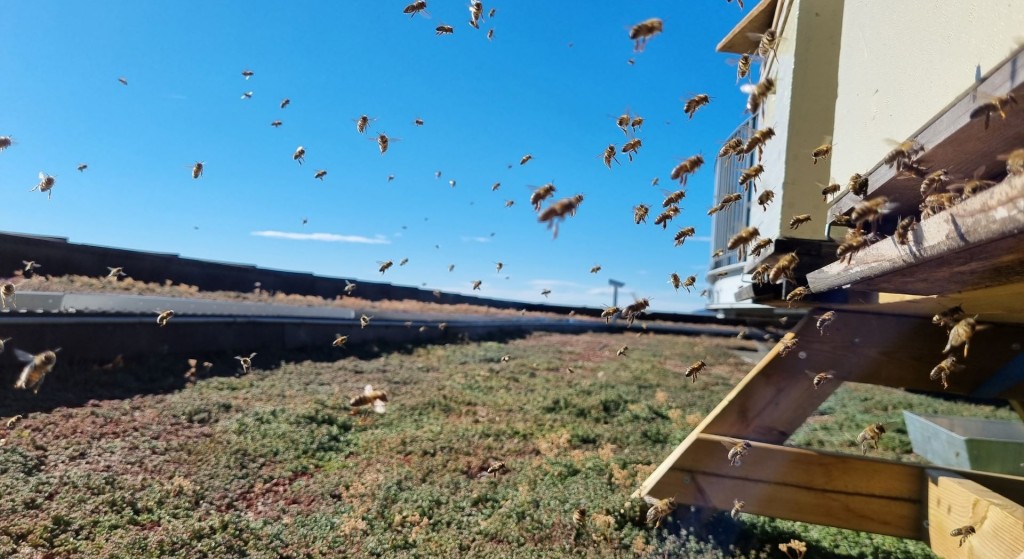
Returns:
(5, 142)
(737, 508)
(994, 105)
(276, 123)
(350, 287)
(415, 8)
(299, 155)
(123, 80)
(961, 334)
(320, 175)
(45, 184)
(115, 273)
(558, 211)
(247, 95)
(477, 284)
(660, 508)
(163, 317)
(385, 265)
(370, 397)
(693, 370)
(545, 292)
(540, 194)
(339, 340)
(871, 434)
(3, 343)
(364, 321)
(444, 30)
(36, 368)
(622, 351)
(643, 31)
(383, 142)
(675, 280)
(799, 220)
(820, 378)
(963, 532)
(246, 362)
(608, 313)
(595, 269)
(631, 147)
(757, 93)
(7, 291)
(737, 450)
(609, 155)
(403, 262)
(82, 167)
(640, 213)
(525, 159)
(824, 320)
(821, 152)
(694, 103)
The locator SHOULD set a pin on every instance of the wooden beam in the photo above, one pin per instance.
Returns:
(954, 502)
(975, 244)
(954, 141)
(758, 20)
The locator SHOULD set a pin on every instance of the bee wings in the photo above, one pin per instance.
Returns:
(23, 356)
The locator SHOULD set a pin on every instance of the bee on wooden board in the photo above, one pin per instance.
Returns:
(760, 246)
(935, 203)
(786, 345)
(903, 229)
(757, 93)
(364, 321)
(963, 533)
(163, 317)
(415, 8)
(961, 334)
(632, 146)
(735, 145)
(558, 211)
(339, 340)
(444, 29)
(246, 362)
(871, 434)
(737, 450)
(370, 397)
(970, 187)
(737, 508)
(694, 103)
(299, 155)
(45, 184)
(595, 269)
(693, 370)
(660, 508)
(766, 198)
(854, 242)
(683, 234)
(36, 368)
(666, 216)
(687, 167)
(540, 194)
(824, 320)
(818, 379)
(993, 105)
(784, 268)
(1014, 162)
(384, 265)
(749, 175)
(858, 185)
(673, 198)
(797, 294)
(903, 152)
(641, 32)
(609, 155)
(799, 220)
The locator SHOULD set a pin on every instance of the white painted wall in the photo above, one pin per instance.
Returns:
(902, 62)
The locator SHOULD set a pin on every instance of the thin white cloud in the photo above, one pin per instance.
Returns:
(700, 239)
(324, 237)
(476, 239)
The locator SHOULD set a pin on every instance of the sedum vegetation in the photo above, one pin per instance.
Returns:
(273, 464)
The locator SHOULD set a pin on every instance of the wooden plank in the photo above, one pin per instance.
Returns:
(759, 19)
(976, 244)
(954, 502)
(955, 142)
(1003, 304)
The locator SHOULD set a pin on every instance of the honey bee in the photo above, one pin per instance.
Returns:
(730, 147)
(193, 366)
(784, 268)
(820, 378)
(636, 124)
(540, 194)
(123, 80)
(631, 147)
(766, 198)
(911, 168)
(579, 517)
(320, 175)
(995, 105)
(370, 397)
(760, 246)
(903, 152)
(622, 351)
(869, 211)
(364, 321)
(821, 152)
(451, 267)
(444, 30)
(728, 200)
(660, 508)
(509, 203)
(163, 317)
(557, 212)
(634, 310)
(423, 329)
(490, 34)
(785, 346)
(403, 262)
(3, 343)
(384, 265)
(852, 243)
(933, 181)
(858, 185)
(246, 362)
(797, 294)
(36, 368)
(936, 203)
(45, 184)
(666, 216)
(609, 155)
(498, 266)
(963, 532)
(961, 333)
(476, 11)
(14, 420)
(824, 320)
(247, 74)
(949, 317)
(5, 142)
(675, 280)
(737, 508)
(972, 186)
(871, 434)
(82, 167)
(247, 95)
(299, 155)
(693, 370)
(673, 198)
(115, 273)
(609, 313)
(740, 240)
(1014, 162)
(760, 274)
(505, 358)
(903, 229)
(687, 167)
(7, 292)
(832, 188)
(767, 44)
(415, 8)
(799, 220)
(737, 450)
(383, 142)
(477, 284)
(643, 31)
(683, 234)
(622, 121)
(640, 212)
(491, 13)
(350, 287)
(749, 175)
(339, 340)
(525, 158)
(718, 253)
(694, 103)
(276, 123)
(496, 468)
(285, 102)
(757, 93)
(757, 141)
(495, 186)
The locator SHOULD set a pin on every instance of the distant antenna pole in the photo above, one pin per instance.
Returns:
(615, 291)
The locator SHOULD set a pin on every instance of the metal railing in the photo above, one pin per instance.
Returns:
(728, 222)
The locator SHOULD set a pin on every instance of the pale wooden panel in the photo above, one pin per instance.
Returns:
(954, 502)
(757, 20)
(1003, 304)
(975, 244)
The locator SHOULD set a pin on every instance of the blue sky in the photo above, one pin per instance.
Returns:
(550, 84)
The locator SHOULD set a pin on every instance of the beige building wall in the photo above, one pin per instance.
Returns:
(904, 61)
